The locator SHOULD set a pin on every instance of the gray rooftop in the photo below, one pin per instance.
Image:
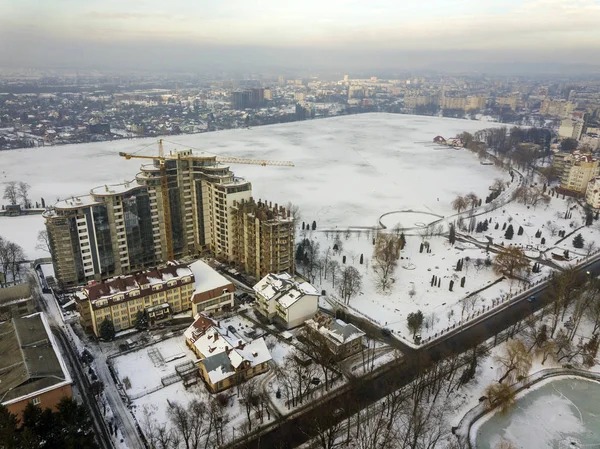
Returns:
(29, 362)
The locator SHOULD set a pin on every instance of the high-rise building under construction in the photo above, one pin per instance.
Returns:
(177, 206)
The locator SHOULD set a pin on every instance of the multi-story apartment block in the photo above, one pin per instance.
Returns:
(557, 108)
(159, 293)
(571, 128)
(592, 193)
(577, 171)
(285, 299)
(263, 238)
(122, 228)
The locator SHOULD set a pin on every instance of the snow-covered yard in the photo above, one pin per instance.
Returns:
(24, 230)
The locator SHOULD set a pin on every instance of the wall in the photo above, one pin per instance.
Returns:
(50, 400)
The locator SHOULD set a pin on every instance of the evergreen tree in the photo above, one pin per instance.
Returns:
(451, 285)
(543, 241)
(107, 330)
(504, 226)
(452, 235)
(361, 259)
(520, 231)
(344, 259)
(510, 232)
(421, 248)
(141, 320)
(314, 225)
(462, 281)
(578, 241)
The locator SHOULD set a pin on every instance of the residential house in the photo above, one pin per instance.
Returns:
(288, 300)
(226, 359)
(343, 339)
(31, 367)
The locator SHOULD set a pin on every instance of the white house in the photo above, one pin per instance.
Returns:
(212, 292)
(291, 301)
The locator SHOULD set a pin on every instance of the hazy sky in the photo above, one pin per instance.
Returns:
(186, 34)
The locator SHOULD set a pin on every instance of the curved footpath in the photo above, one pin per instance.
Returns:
(463, 430)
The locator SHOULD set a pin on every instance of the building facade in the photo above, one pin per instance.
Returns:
(213, 293)
(263, 239)
(592, 194)
(577, 171)
(284, 299)
(122, 228)
(342, 339)
(154, 292)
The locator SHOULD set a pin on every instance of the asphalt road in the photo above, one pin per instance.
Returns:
(292, 432)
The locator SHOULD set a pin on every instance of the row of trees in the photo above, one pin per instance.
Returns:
(17, 193)
(69, 426)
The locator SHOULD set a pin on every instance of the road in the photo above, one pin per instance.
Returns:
(290, 433)
(122, 414)
(51, 309)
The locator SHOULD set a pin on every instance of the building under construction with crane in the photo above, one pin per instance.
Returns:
(179, 205)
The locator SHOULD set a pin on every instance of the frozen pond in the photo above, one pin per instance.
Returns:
(563, 413)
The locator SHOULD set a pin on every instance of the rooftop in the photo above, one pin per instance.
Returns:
(29, 363)
(115, 189)
(336, 330)
(284, 289)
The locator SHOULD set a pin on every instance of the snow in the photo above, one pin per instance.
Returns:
(206, 278)
(23, 230)
(47, 270)
(141, 370)
(365, 163)
(547, 416)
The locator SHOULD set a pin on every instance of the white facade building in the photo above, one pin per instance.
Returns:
(592, 194)
(288, 300)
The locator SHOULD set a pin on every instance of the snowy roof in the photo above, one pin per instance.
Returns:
(223, 353)
(206, 278)
(115, 189)
(76, 202)
(284, 289)
(337, 331)
(125, 284)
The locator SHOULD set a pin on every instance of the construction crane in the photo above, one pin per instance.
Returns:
(164, 182)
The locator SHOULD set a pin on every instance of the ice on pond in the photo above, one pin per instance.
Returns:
(562, 413)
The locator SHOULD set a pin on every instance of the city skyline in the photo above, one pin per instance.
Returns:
(383, 34)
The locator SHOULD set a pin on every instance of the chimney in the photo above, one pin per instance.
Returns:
(216, 336)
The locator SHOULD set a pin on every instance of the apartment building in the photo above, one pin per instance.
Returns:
(571, 128)
(263, 238)
(121, 228)
(159, 293)
(213, 293)
(31, 367)
(557, 108)
(576, 170)
(288, 300)
(592, 193)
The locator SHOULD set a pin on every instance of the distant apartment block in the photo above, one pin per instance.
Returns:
(576, 170)
(159, 293)
(571, 128)
(557, 108)
(592, 193)
(285, 299)
(263, 238)
(31, 367)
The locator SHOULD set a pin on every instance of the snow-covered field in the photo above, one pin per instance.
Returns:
(24, 230)
(348, 170)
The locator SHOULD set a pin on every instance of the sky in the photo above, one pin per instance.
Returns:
(195, 34)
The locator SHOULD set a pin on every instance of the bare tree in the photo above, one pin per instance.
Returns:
(248, 394)
(590, 246)
(294, 211)
(11, 192)
(459, 204)
(472, 200)
(334, 271)
(515, 361)
(552, 227)
(23, 194)
(510, 262)
(189, 422)
(385, 259)
(501, 396)
(498, 184)
(43, 241)
(350, 283)
(316, 346)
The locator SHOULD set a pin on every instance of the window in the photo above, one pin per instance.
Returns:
(36, 401)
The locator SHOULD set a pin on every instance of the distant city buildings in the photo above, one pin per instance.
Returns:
(592, 193)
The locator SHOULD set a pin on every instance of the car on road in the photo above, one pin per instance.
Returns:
(531, 298)
(231, 328)
(386, 332)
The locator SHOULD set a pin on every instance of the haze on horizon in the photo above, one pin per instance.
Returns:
(187, 35)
